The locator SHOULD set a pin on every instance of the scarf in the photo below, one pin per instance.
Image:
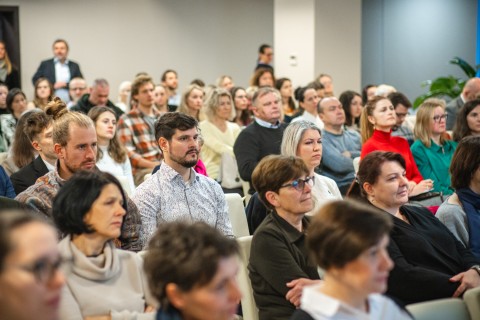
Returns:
(471, 205)
(3, 70)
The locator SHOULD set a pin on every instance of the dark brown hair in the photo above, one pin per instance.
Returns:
(342, 230)
(465, 162)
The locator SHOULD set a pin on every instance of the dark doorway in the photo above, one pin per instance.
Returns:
(10, 34)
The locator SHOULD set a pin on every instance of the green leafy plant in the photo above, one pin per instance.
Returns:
(449, 86)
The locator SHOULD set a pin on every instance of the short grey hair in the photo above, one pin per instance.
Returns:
(263, 91)
(293, 135)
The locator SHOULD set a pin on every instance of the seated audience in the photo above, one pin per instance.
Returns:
(3, 102)
(43, 94)
(368, 93)
(218, 133)
(401, 104)
(38, 130)
(430, 263)
(327, 82)
(469, 92)
(161, 99)
(308, 102)
(30, 276)
(6, 187)
(352, 106)
(8, 72)
(468, 121)
(98, 96)
(176, 191)
(225, 82)
(341, 145)
(170, 82)
(240, 103)
(460, 212)
(90, 224)
(263, 136)
(21, 152)
(16, 106)
(124, 91)
(317, 86)
(112, 156)
(192, 102)
(432, 150)
(75, 144)
(136, 130)
(376, 123)
(302, 139)
(192, 272)
(76, 89)
(262, 77)
(349, 242)
(279, 263)
(284, 86)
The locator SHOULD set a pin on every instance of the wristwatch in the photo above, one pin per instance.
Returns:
(476, 268)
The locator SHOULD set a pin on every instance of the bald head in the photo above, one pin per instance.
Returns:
(471, 89)
(327, 101)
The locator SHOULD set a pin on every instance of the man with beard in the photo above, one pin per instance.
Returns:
(170, 81)
(176, 191)
(75, 144)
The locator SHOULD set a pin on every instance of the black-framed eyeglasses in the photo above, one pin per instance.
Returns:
(44, 269)
(438, 118)
(299, 184)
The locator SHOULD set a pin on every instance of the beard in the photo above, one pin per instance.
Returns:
(183, 161)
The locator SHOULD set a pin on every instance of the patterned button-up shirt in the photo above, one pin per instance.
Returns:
(165, 197)
(138, 137)
(39, 197)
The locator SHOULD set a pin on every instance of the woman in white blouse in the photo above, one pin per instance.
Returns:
(218, 133)
(112, 156)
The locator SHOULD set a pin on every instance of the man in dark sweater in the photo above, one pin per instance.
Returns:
(263, 136)
(98, 96)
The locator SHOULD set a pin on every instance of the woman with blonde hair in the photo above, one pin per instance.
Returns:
(43, 94)
(112, 156)
(432, 150)
(218, 132)
(8, 73)
(376, 123)
(192, 102)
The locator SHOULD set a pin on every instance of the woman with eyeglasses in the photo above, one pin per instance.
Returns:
(30, 279)
(376, 123)
(105, 282)
(432, 149)
(279, 264)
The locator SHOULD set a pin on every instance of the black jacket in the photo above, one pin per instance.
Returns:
(28, 175)
(47, 70)
(84, 105)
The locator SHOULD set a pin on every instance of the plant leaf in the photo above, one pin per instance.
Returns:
(465, 66)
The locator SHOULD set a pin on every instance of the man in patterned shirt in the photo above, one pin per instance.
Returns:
(176, 191)
(136, 129)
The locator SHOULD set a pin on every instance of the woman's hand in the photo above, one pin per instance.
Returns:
(149, 309)
(468, 280)
(295, 293)
(421, 187)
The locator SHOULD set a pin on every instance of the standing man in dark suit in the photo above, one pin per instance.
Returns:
(38, 128)
(469, 92)
(59, 70)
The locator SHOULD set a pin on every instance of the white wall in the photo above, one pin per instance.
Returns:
(338, 42)
(294, 34)
(115, 39)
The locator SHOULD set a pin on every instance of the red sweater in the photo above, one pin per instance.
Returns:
(383, 141)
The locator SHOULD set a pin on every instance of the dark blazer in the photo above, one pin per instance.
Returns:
(47, 70)
(28, 175)
(13, 79)
(452, 109)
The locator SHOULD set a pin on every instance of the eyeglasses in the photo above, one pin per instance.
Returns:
(439, 118)
(44, 269)
(299, 184)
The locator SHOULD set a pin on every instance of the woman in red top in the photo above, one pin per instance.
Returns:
(378, 118)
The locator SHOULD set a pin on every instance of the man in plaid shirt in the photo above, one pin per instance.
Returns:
(136, 129)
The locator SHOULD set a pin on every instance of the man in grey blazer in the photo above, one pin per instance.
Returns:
(59, 70)
(469, 92)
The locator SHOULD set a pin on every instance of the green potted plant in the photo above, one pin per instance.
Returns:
(448, 86)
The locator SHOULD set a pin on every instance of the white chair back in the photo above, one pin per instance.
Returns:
(356, 164)
(451, 308)
(249, 308)
(472, 300)
(236, 213)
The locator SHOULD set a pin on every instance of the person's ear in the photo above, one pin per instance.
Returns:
(36, 146)
(369, 189)
(58, 150)
(175, 296)
(163, 143)
(272, 197)
(371, 119)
